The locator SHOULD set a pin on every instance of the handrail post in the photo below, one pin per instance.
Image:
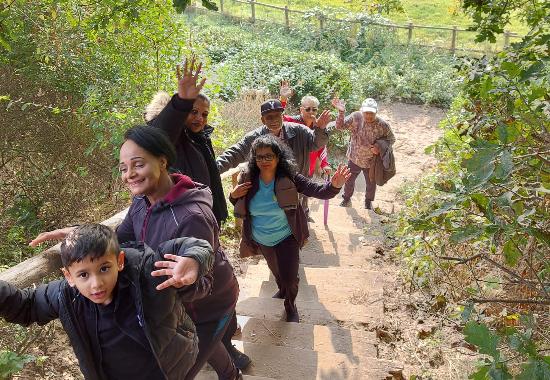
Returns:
(221, 7)
(253, 11)
(287, 18)
(321, 22)
(453, 40)
(506, 39)
(410, 35)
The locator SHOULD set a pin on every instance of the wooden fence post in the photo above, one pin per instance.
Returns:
(253, 11)
(453, 40)
(410, 35)
(221, 7)
(287, 18)
(506, 39)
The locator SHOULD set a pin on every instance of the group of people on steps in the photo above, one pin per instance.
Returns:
(156, 298)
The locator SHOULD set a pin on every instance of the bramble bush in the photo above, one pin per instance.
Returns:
(476, 231)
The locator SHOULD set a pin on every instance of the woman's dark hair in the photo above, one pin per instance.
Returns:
(285, 167)
(153, 140)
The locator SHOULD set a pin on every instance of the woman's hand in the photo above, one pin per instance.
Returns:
(181, 270)
(340, 177)
(339, 104)
(285, 91)
(187, 83)
(59, 234)
(241, 190)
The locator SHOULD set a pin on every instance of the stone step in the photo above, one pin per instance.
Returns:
(209, 374)
(342, 277)
(294, 363)
(306, 292)
(305, 336)
(313, 312)
(342, 217)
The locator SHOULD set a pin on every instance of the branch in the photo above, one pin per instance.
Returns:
(460, 260)
(498, 300)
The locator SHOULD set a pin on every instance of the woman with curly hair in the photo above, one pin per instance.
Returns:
(275, 223)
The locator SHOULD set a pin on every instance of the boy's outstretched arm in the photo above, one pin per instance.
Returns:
(187, 263)
(26, 306)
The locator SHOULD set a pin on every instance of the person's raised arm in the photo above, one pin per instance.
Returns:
(342, 122)
(58, 234)
(285, 92)
(172, 118)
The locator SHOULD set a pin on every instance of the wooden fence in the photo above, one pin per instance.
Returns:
(322, 20)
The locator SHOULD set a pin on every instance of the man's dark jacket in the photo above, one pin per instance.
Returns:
(168, 328)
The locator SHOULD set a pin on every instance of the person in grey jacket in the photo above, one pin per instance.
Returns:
(299, 138)
(122, 307)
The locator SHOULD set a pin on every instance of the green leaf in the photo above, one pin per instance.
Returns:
(467, 312)
(511, 68)
(11, 363)
(480, 336)
(535, 68)
(466, 233)
(481, 201)
(481, 373)
(535, 370)
(486, 86)
(511, 253)
(480, 166)
(499, 372)
(505, 166)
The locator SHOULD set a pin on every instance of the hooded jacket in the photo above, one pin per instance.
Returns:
(185, 211)
(195, 154)
(168, 329)
(286, 192)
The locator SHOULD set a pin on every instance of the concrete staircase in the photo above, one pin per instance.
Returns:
(340, 302)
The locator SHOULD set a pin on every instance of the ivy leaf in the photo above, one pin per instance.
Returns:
(511, 253)
(466, 233)
(481, 373)
(535, 370)
(480, 166)
(480, 336)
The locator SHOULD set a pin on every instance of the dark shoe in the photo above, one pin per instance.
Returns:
(368, 205)
(293, 316)
(239, 375)
(278, 295)
(345, 203)
(241, 360)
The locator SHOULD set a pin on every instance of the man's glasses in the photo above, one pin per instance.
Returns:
(265, 157)
(311, 109)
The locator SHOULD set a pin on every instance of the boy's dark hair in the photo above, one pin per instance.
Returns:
(203, 97)
(286, 166)
(153, 140)
(88, 240)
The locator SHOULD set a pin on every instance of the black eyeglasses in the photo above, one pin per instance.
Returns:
(311, 109)
(264, 157)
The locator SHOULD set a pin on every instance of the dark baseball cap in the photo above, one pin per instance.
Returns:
(272, 105)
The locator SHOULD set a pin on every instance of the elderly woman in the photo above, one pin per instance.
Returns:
(275, 223)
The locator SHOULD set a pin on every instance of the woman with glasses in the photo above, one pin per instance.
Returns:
(275, 223)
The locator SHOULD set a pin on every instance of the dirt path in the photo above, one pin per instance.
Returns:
(355, 317)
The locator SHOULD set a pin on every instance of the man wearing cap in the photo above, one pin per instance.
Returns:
(299, 138)
(369, 133)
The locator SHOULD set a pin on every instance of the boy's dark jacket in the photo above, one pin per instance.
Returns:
(167, 327)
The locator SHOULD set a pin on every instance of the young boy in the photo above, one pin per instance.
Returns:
(120, 325)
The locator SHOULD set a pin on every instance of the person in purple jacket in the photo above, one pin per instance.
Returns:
(275, 223)
(168, 206)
